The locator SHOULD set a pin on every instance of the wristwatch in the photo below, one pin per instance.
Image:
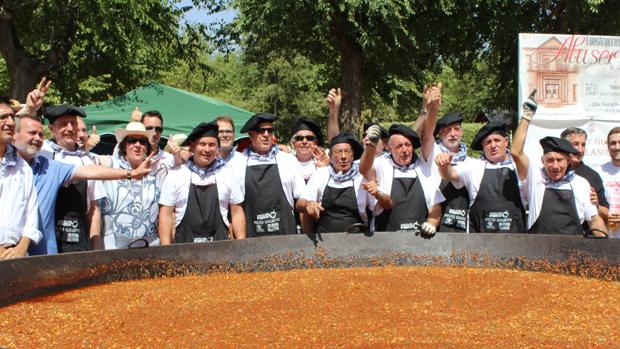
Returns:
(128, 174)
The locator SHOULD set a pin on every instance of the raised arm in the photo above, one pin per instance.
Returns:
(522, 161)
(432, 98)
(333, 100)
(368, 156)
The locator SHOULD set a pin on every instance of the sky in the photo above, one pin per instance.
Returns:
(201, 16)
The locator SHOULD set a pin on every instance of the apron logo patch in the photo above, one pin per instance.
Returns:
(268, 222)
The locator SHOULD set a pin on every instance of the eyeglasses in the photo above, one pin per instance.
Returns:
(143, 141)
(264, 129)
(4, 117)
(156, 128)
(309, 138)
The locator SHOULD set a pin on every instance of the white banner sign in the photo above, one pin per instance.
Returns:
(578, 82)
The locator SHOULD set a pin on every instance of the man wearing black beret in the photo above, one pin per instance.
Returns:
(558, 198)
(78, 216)
(307, 141)
(270, 180)
(407, 197)
(335, 196)
(491, 182)
(449, 132)
(200, 193)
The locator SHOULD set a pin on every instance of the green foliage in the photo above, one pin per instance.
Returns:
(288, 87)
(93, 50)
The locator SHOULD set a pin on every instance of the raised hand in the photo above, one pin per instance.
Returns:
(321, 159)
(173, 146)
(36, 97)
(374, 135)
(93, 139)
(530, 106)
(432, 97)
(136, 115)
(334, 99)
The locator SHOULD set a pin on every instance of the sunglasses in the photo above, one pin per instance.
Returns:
(264, 129)
(309, 138)
(156, 128)
(141, 140)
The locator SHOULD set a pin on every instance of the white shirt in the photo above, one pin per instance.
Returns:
(470, 173)
(321, 179)
(386, 174)
(165, 158)
(610, 175)
(95, 189)
(18, 205)
(535, 190)
(307, 169)
(130, 209)
(175, 190)
(288, 168)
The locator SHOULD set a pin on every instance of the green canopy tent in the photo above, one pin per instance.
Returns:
(182, 110)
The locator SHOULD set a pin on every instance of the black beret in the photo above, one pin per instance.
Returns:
(257, 119)
(204, 129)
(384, 132)
(558, 145)
(304, 123)
(357, 147)
(52, 113)
(490, 128)
(448, 119)
(400, 129)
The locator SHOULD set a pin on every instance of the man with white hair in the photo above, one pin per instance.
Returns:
(78, 217)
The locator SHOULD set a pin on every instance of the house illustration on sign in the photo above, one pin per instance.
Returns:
(549, 71)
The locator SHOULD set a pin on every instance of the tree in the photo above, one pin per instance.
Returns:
(372, 45)
(384, 49)
(92, 49)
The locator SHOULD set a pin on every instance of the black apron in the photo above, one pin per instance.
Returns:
(71, 210)
(202, 221)
(498, 207)
(267, 211)
(71, 204)
(409, 209)
(341, 211)
(454, 209)
(558, 214)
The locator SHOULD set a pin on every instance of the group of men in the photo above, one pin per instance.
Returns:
(57, 196)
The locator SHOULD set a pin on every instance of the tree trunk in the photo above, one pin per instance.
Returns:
(351, 63)
(351, 67)
(23, 78)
